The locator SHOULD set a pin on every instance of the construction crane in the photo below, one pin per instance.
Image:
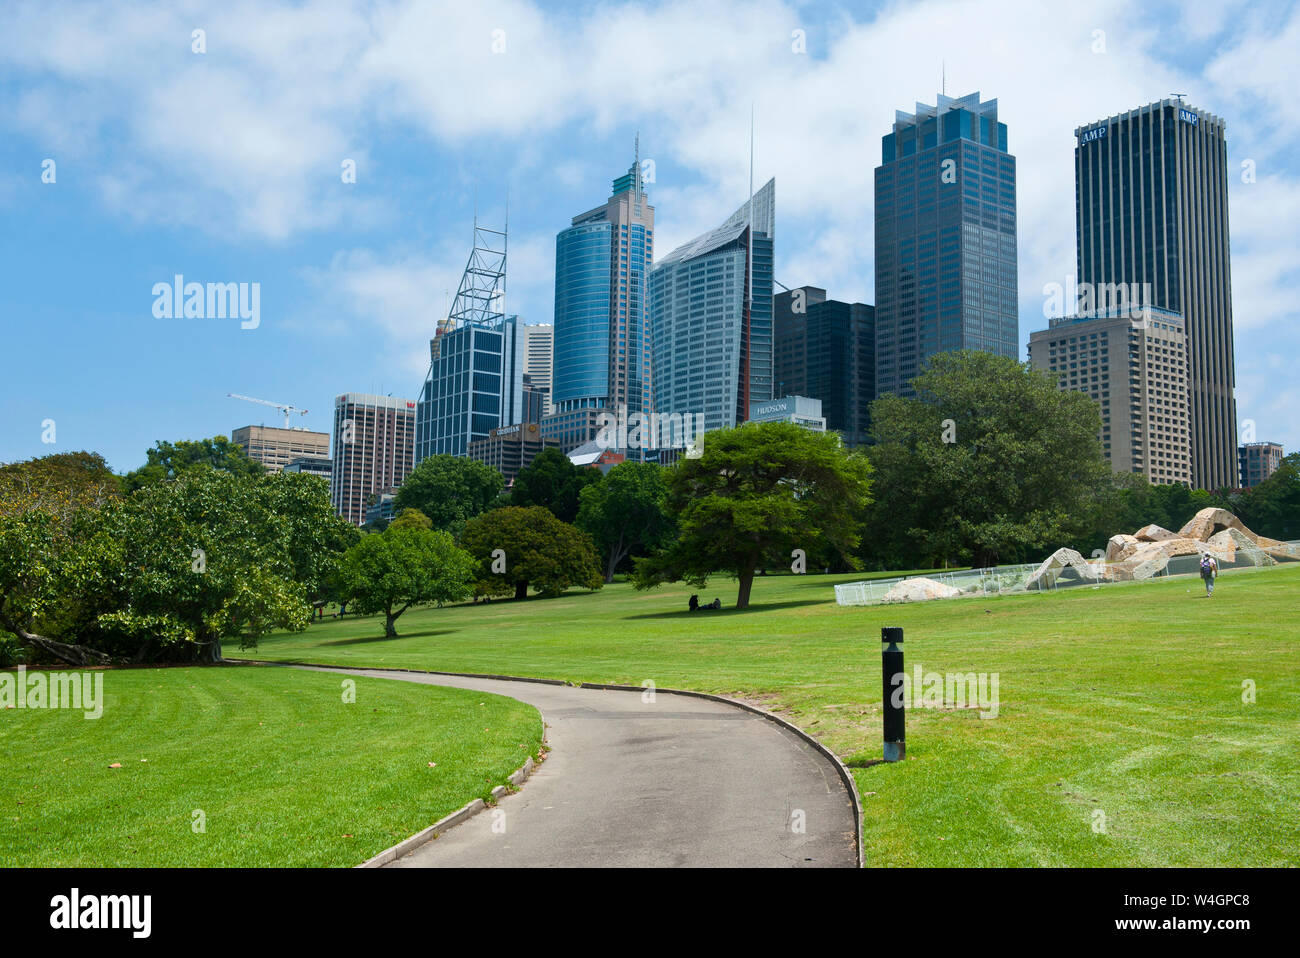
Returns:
(283, 407)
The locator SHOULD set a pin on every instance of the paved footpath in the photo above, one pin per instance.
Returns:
(681, 781)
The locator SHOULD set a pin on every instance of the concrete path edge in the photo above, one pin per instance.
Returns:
(476, 806)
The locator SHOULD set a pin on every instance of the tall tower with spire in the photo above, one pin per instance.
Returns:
(601, 351)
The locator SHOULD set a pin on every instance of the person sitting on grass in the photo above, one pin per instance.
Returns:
(694, 604)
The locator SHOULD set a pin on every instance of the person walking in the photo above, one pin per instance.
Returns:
(1209, 571)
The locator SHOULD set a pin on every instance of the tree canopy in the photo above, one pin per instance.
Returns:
(625, 512)
(516, 548)
(449, 490)
(554, 483)
(757, 493)
(988, 462)
(167, 460)
(404, 565)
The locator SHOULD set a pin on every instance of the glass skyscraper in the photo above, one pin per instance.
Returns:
(475, 384)
(711, 318)
(1151, 200)
(825, 349)
(601, 353)
(945, 238)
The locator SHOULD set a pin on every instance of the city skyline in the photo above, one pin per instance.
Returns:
(352, 282)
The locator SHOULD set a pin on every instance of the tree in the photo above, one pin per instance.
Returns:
(58, 484)
(54, 555)
(515, 548)
(1272, 508)
(758, 492)
(207, 557)
(404, 565)
(624, 512)
(168, 460)
(449, 490)
(554, 483)
(413, 518)
(989, 461)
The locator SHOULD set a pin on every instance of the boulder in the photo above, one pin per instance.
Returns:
(1120, 547)
(1209, 521)
(919, 590)
(1154, 533)
(1051, 568)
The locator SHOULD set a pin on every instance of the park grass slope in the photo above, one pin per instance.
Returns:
(272, 762)
(1122, 738)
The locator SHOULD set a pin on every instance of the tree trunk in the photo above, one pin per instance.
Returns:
(521, 590)
(746, 583)
(390, 632)
(71, 654)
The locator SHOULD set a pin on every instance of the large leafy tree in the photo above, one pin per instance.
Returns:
(404, 565)
(554, 483)
(625, 512)
(536, 549)
(988, 462)
(208, 557)
(167, 460)
(758, 492)
(55, 557)
(449, 490)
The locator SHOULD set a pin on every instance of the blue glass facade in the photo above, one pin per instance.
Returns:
(945, 196)
(602, 355)
(712, 351)
(582, 304)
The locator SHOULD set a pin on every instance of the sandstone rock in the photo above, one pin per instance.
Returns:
(1047, 573)
(1120, 546)
(918, 590)
(1209, 521)
(1154, 533)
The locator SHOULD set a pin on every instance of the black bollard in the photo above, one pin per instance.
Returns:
(895, 715)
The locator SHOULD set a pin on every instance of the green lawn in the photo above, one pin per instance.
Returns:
(1125, 700)
(284, 772)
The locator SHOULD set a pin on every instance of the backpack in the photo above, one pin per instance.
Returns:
(1206, 561)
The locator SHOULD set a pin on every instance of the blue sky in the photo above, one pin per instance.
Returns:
(224, 166)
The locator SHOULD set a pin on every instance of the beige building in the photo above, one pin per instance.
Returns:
(275, 448)
(511, 449)
(1133, 363)
(374, 450)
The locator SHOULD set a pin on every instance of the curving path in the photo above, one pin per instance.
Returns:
(681, 781)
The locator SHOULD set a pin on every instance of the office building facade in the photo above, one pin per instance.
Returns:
(475, 383)
(539, 353)
(945, 238)
(1151, 201)
(801, 410)
(602, 357)
(711, 318)
(1133, 364)
(275, 448)
(1257, 461)
(374, 450)
(826, 349)
(511, 449)
(311, 466)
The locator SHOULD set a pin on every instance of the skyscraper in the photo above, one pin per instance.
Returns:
(1133, 363)
(1151, 203)
(539, 353)
(374, 440)
(825, 349)
(601, 352)
(711, 318)
(475, 381)
(945, 238)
